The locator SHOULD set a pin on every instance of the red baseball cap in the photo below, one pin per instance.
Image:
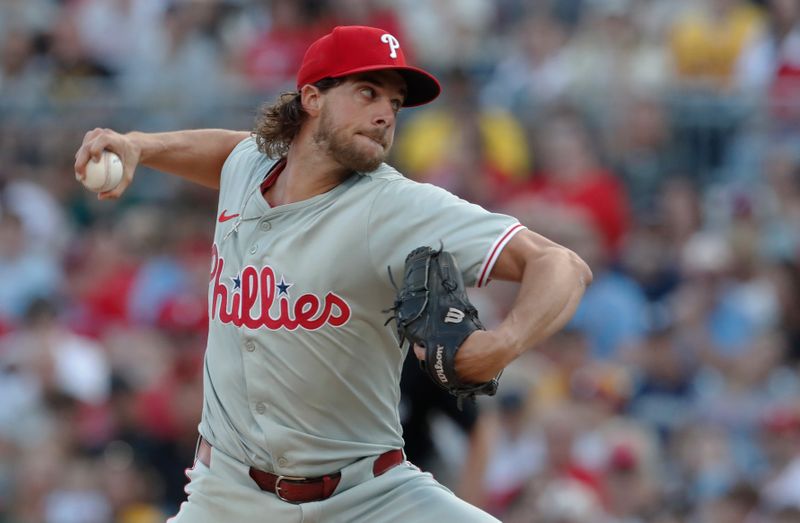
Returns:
(354, 49)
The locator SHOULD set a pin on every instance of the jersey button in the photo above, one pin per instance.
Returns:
(254, 249)
(265, 225)
(261, 408)
(250, 346)
(283, 461)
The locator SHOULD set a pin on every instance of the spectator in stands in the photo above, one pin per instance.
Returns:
(535, 74)
(26, 274)
(448, 33)
(120, 33)
(706, 43)
(563, 489)
(270, 61)
(739, 505)
(708, 39)
(611, 58)
(187, 68)
(664, 391)
(20, 79)
(61, 362)
(480, 154)
(573, 178)
(517, 455)
(372, 13)
(640, 149)
(75, 74)
(726, 303)
(782, 428)
(770, 63)
(787, 285)
(632, 490)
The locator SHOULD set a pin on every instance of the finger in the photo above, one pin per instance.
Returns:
(117, 191)
(89, 151)
(117, 144)
(82, 155)
(110, 195)
(114, 193)
(128, 169)
(98, 145)
(419, 352)
(91, 135)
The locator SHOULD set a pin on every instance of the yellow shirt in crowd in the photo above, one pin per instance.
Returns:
(707, 48)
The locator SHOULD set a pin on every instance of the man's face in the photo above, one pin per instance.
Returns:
(357, 119)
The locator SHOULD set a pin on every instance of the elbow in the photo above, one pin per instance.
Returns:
(580, 270)
(584, 273)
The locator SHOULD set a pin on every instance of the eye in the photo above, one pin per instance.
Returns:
(367, 91)
(396, 105)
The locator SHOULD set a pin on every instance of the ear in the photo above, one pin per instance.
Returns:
(311, 99)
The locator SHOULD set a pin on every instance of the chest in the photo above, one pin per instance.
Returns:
(294, 270)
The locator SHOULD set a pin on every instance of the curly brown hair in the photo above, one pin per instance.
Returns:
(278, 123)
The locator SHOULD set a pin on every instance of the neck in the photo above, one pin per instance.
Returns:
(309, 171)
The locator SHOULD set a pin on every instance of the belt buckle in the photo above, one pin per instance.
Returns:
(278, 486)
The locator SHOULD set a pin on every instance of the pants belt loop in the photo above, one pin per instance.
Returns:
(328, 486)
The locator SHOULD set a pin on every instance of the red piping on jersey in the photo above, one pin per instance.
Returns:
(272, 175)
(498, 246)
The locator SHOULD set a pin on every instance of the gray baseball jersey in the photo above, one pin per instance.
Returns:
(301, 375)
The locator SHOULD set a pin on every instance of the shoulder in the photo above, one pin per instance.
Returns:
(385, 174)
(387, 180)
(245, 162)
(248, 146)
(247, 152)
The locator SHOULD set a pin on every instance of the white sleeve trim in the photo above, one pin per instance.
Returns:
(494, 253)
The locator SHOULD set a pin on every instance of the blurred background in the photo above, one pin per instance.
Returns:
(659, 139)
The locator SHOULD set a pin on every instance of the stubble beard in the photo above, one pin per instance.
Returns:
(343, 150)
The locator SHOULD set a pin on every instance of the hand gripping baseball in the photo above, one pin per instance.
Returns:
(98, 140)
(432, 310)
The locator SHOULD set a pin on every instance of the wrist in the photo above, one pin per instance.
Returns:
(500, 352)
(137, 141)
(506, 346)
(481, 357)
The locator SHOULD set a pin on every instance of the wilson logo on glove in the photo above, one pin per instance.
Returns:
(454, 316)
(438, 366)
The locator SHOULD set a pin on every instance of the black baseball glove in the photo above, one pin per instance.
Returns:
(432, 310)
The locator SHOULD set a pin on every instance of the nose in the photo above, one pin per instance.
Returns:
(385, 115)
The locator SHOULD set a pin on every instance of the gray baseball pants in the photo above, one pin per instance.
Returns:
(225, 492)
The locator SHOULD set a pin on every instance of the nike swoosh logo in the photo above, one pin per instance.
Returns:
(225, 217)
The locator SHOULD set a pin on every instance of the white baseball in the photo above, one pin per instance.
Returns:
(104, 175)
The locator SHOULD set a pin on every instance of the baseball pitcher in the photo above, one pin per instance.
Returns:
(326, 265)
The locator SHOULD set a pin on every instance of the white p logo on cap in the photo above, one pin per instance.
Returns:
(393, 44)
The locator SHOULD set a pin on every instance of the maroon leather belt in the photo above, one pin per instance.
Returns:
(303, 490)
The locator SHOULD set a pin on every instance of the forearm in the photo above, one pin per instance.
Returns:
(551, 288)
(197, 155)
(552, 282)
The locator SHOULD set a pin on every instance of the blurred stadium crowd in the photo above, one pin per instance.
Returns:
(659, 139)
